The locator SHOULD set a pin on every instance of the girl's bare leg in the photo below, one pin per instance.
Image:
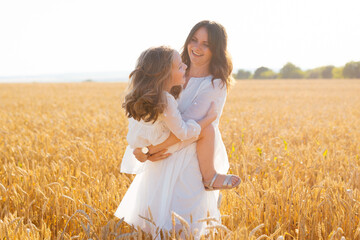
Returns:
(205, 152)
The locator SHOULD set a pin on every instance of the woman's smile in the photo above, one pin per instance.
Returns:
(196, 54)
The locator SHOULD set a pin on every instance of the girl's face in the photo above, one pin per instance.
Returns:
(198, 48)
(178, 70)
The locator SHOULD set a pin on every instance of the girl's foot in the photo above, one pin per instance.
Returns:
(222, 181)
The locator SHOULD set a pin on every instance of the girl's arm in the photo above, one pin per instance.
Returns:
(188, 129)
(175, 123)
(182, 130)
(211, 93)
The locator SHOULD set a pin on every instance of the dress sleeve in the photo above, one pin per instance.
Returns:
(182, 129)
(211, 92)
(206, 94)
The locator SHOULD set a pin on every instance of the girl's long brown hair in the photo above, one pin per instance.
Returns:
(221, 64)
(145, 99)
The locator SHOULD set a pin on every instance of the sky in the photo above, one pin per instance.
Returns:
(40, 37)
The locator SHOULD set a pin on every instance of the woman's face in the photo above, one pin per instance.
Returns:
(198, 48)
(178, 70)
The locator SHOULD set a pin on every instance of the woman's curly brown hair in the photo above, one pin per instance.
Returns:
(145, 99)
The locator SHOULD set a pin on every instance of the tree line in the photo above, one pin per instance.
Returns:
(290, 71)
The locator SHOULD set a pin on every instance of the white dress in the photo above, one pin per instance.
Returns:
(174, 184)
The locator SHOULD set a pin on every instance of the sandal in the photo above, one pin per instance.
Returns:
(209, 186)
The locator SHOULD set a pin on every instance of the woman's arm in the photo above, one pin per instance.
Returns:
(157, 152)
(171, 140)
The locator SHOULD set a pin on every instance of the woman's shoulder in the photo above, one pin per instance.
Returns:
(212, 82)
(204, 85)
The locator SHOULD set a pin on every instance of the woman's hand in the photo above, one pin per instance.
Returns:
(140, 156)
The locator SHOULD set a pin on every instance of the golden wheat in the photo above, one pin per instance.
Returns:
(294, 143)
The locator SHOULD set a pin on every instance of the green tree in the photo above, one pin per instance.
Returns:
(313, 73)
(337, 72)
(320, 72)
(352, 70)
(242, 74)
(327, 72)
(259, 71)
(289, 70)
(269, 74)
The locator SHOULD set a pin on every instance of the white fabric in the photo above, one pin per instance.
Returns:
(183, 130)
(141, 134)
(175, 184)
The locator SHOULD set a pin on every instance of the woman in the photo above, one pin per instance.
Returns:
(176, 184)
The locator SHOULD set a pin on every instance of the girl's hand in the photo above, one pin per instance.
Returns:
(153, 157)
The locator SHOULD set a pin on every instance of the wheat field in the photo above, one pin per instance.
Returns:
(294, 143)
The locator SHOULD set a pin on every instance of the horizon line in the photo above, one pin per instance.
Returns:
(124, 73)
